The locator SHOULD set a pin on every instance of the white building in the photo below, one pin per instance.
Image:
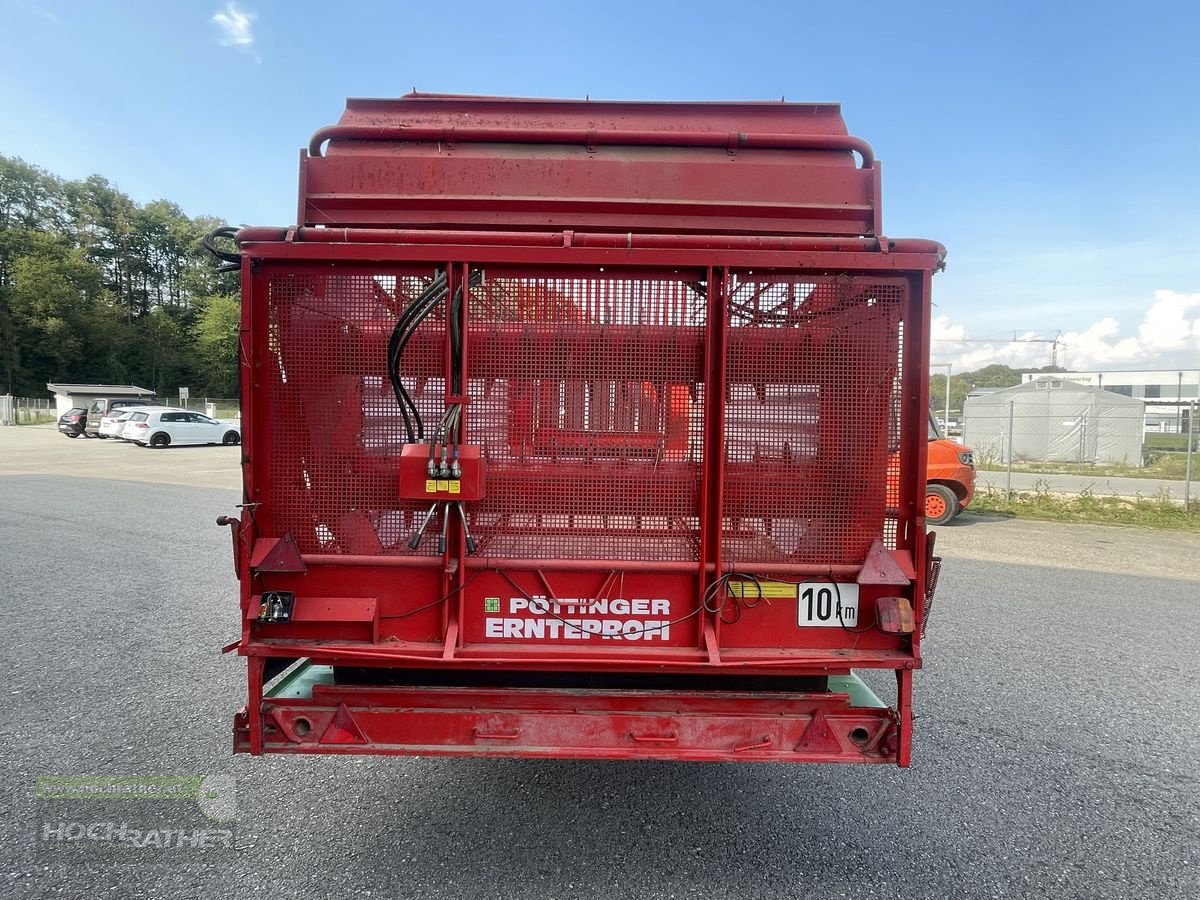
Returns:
(1167, 393)
(67, 396)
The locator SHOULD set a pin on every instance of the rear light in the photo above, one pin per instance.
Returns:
(140, 425)
(72, 418)
(894, 615)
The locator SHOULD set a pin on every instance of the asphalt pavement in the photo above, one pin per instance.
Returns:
(1055, 750)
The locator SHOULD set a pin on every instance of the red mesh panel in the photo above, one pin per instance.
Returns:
(811, 365)
(335, 429)
(586, 396)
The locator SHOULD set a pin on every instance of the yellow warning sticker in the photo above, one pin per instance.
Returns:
(430, 486)
(768, 590)
(456, 487)
(443, 485)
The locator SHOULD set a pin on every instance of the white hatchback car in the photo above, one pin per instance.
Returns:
(113, 425)
(163, 427)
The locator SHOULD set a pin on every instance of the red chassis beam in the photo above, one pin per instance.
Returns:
(580, 724)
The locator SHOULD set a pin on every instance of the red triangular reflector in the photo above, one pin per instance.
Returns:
(880, 567)
(819, 736)
(277, 555)
(343, 729)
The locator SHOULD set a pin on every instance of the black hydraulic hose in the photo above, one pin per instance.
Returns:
(404, 332)
(410, 319)
(406, 326)
(230, 262)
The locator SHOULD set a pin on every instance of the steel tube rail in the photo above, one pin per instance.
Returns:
(733, 140)
(577, 565)
(587, 240)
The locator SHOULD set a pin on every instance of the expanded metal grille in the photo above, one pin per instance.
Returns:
(587, 396)
(812, 365)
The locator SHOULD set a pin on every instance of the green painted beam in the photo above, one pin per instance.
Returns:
(860, 694)
(298, 683)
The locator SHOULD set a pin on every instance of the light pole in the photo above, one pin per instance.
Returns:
(949, 368)
(1179, 406)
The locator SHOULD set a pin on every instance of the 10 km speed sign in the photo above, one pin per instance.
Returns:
(829, 604)
(820, 603)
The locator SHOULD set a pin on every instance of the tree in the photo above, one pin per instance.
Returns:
(96, 287)
(30, 204)
(51, 290)
(217, 331)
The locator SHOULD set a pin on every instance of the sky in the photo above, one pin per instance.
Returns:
(1050, 146)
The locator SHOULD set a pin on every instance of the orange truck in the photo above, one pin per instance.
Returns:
(949, 477)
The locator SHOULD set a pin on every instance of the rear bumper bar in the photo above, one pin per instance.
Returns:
(309, 714)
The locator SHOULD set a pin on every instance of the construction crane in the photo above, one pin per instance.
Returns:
(1055, 342)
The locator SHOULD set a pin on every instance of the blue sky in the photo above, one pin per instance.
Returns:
(1050, 146)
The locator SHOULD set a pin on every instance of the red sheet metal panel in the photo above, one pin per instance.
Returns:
(708, 726)
(435, 161)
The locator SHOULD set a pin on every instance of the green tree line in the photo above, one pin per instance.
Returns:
(961, 384)
(97, 288)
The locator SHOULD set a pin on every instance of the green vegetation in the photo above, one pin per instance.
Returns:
(95, 288)
(23, 415)
(1172, 442)
(1158, 465)
(1160, 511)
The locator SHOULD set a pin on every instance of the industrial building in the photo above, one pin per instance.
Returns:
(1055, 419)
(1166, 393)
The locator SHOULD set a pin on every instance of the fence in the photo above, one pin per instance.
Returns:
(27, 410)
(1009, 433)
(217, 407)
(1050, 437)
(42, 410)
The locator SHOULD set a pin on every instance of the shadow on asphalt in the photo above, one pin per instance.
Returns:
(187, 447)
(971, 519)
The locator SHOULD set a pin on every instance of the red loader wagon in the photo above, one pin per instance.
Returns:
(567, 429)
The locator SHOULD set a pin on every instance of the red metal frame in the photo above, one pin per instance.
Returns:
(708, 451)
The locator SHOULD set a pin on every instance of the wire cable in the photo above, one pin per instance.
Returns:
(440, 600)
(406, 324)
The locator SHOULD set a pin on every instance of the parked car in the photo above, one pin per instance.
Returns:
(104, 406)
(113, 425)
(162, 427)
(72, 422)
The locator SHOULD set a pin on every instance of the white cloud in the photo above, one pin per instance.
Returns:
(943, 331)
(236, 27)
(1167, 337)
